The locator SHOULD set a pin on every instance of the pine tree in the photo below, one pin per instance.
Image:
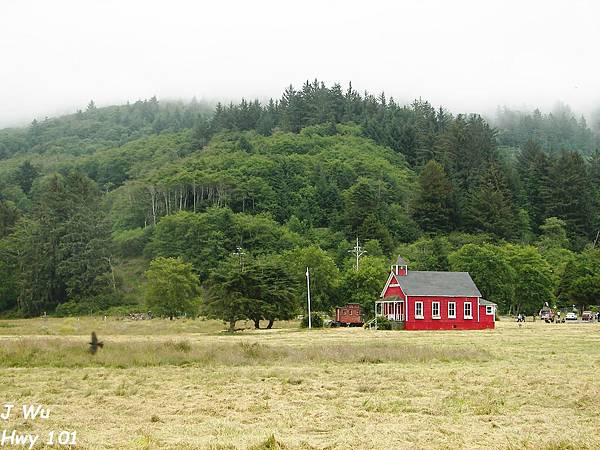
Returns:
(534, 168)
(26, 175)
(594, 172)
(63, 248)
(490, 206)
(433, 207)
(293, 112)
(571, 197)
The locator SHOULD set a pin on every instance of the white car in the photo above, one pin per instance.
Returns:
(571, 316)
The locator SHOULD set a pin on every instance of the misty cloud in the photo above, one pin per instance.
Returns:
(466, 55)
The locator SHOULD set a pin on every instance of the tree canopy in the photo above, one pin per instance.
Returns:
(88, 200)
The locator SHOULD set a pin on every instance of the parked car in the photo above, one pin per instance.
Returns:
(587, 316)
(547, 314)
(571, 316)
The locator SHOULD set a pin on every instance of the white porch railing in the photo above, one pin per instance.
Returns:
(392, 309)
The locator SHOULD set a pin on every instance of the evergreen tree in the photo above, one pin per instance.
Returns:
(26, 175)
(262, 289)
(491, 208)
(594, 172)
(534, 169)
(572, 196)
(433, 207)
(62, 250)
(293, 112)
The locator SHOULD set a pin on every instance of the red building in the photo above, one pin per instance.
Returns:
(434, 300)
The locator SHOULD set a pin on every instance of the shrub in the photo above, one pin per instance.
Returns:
(383, 323)
(316, 319)
(98, 304)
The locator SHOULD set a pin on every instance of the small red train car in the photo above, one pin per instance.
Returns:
(350, 315)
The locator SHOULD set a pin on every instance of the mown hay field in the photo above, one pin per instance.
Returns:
(184, 385)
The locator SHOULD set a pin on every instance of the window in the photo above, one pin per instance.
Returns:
(489, 310)
(452, 310)
(435, 310)
(349, 312)
(468, 310)
(419, 310)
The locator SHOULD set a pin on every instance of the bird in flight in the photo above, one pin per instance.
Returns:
(95, 343)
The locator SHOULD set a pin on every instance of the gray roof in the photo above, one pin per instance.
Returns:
(450, 284)
(401, 261)
(484, 302)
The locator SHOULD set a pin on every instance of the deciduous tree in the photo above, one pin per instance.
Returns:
(172, 289)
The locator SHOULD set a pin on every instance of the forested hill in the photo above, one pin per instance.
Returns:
(88, 200)
(555, 131)
(94, 129)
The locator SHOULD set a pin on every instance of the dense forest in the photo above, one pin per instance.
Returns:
(99, 209)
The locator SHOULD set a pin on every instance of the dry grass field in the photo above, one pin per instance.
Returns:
(184, 385)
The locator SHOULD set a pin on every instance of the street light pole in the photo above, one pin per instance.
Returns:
(308, 296)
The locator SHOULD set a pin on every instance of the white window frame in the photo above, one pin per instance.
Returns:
(417, 315)
(452, 315)
(489, 310)
(468, 316)
(439, 312)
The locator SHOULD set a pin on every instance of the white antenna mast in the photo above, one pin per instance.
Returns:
(358, 251)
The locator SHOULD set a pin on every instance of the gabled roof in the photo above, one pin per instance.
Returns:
(401, 261)
(484, 302)
(445, 284)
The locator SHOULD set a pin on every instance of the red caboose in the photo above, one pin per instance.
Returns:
(349, 315)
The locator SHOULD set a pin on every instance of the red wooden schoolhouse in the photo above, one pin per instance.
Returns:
(422, 300)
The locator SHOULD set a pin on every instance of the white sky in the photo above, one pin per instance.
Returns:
(467, 55)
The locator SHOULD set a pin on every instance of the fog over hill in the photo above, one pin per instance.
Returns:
(465, 56)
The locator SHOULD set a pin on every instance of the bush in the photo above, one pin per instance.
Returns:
(93, 305)
(123, 310)
(317, 321)
(383, 323)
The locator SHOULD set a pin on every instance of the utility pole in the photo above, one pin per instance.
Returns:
(596, 240)
(308, 292)
(240, 254)
(358, 251)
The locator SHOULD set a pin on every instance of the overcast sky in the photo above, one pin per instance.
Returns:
(466, 55)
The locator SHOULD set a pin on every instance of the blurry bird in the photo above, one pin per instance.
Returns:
(95, 343)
